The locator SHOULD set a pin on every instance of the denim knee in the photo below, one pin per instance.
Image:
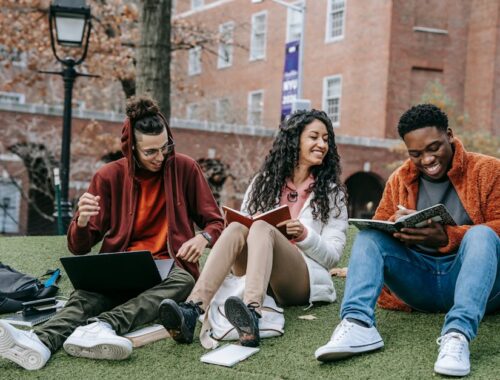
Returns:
(480, 233)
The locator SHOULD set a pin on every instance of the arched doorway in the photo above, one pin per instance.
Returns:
(365, 190)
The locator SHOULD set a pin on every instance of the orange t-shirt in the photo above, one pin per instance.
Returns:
(150, 231)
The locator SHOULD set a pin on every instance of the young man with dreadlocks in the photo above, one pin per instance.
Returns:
(148, 200)
(436, 268)
(302, 170)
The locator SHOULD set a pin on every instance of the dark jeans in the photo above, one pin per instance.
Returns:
(124, 314)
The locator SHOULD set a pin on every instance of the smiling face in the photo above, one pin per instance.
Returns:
(313, 144)
(431, 150)
(150, 150)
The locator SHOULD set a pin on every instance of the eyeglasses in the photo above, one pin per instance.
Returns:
(164, 150)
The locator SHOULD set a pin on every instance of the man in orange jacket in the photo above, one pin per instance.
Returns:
(436, 268)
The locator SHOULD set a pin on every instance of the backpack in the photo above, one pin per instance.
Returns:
(17, 287)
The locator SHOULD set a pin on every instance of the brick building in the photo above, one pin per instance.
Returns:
(364, 63)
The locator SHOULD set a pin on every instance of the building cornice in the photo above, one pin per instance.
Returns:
(183, 124)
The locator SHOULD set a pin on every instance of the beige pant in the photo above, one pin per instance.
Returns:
(265, 256)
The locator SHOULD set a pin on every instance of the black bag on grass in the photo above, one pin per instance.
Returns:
(17, 287)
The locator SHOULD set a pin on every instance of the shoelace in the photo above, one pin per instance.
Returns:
(342, 329)
(451, 344)
(253, 306)
(194, 305)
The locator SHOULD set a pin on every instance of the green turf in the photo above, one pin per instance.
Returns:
(409, 353)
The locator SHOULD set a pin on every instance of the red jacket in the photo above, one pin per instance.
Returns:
(476, 180)
(189, 201)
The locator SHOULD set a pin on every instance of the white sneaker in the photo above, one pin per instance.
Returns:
(97, 341)
(349, 339)
(453, 357)
(22, 347)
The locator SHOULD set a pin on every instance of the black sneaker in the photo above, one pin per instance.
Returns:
(179, 319)
(245, 319)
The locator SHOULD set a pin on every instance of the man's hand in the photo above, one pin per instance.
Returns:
(88, 205)
(403, 212)
(192, 249)
(432, 235)
(294, 227)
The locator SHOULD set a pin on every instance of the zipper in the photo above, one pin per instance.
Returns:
(133, 210)
(169, 246)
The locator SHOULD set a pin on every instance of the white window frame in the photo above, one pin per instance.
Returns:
(12, 98)
(194, 61)
(254, 56)
(291, 21)
(226, 33)
(329, 17)
(252, 108)
(197, 4)
(11, 191)
(221, 112)
(193, 111)
(326, 80)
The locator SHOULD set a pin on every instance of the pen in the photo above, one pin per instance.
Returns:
(401, 207)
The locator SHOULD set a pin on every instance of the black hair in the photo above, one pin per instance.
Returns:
(282, 159)
(144, 115)
(421, 116)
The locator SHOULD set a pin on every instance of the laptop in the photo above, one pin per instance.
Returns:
(122, 272)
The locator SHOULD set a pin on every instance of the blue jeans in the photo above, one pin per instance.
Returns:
(465, 285)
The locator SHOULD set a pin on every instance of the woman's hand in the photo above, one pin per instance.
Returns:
(88, 205)
(294, 227)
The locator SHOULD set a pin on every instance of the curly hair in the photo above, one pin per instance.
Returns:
(282, 160)
(144, 115)
(421, 116)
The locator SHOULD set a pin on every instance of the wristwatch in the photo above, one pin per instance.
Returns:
(207, 236)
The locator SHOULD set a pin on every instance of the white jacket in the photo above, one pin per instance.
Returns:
(322, 247)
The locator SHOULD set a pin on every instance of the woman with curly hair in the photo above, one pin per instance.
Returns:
(302, 170)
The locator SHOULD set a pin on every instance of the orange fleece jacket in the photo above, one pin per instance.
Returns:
(476, 179)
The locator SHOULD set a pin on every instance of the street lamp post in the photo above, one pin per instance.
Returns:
(69, 20)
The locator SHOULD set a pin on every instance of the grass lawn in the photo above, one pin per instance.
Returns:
(409, 353)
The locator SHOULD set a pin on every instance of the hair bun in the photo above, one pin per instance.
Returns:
(141, 106)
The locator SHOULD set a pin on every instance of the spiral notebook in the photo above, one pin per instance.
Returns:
(29, 320)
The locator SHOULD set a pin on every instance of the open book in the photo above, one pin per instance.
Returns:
(273, 217)
(438, 213)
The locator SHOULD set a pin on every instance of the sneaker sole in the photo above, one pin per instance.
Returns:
(172, 319)
(105, 351)
(241, 318)
(17, 352)
(330, 354)
(450, 372)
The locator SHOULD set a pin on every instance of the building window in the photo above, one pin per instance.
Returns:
(195, 4)
(193, 111)
(255, 107)
(12, 98)
(258, 39)
(335, 20)
(223, 110)
(15, 56)
(10, 203)
(194, 61)
(225, 56)
(294, 23)
(332, 92)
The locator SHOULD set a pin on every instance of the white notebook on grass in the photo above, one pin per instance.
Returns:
(229, 355)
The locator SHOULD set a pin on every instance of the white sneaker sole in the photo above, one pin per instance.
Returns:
(106, 350)
(18, 349)
(451, 372)
(326, 353)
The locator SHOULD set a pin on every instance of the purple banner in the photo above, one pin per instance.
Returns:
(290, 87)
